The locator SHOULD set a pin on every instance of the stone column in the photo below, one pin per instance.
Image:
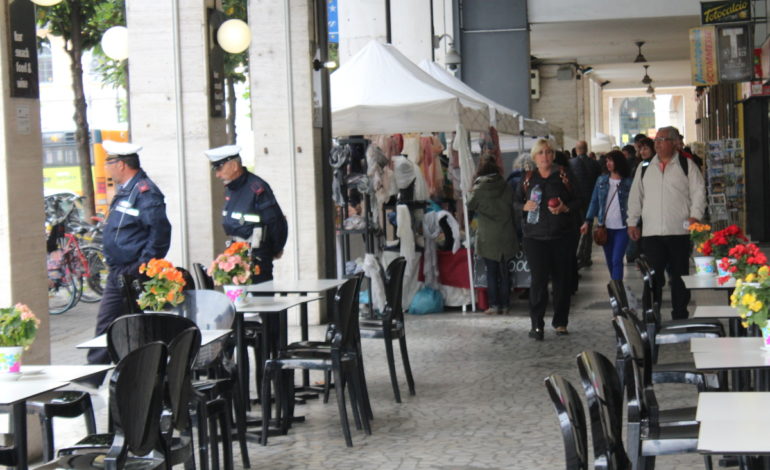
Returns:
(23, 276)
(170, 118)
(286, 117)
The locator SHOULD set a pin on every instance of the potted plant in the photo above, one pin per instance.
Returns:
(699, 234)
(18, 328)
(164, 287)
(743, 262)
(752, 298)
(721, 242)
(232, 270)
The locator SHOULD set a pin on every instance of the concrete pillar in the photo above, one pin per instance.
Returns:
(411, 28)
(360, 21)
(171, 120)
(285, 102)
(23, 276)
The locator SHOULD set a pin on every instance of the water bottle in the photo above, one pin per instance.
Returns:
(535, 195)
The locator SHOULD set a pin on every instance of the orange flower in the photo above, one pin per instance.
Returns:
(236, 248)
(170, 296)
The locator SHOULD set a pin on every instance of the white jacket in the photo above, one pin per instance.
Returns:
(665, 200)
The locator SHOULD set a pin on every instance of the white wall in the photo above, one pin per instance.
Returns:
(550, 11)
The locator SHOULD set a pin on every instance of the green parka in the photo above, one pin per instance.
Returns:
(492, 202)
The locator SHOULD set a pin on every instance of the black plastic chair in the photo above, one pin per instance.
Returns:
(60, 404)
(202, 278)
(212, 310)
(136, 396)
(189, 280)
(670, 372)
(342, 359)
(670, 331)
(605, 403)
(8, 456)
(392, 326)
(572, 421)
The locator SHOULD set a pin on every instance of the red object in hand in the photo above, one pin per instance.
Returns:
(554, 202)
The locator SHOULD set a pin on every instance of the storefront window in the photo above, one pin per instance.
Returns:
(637, 115)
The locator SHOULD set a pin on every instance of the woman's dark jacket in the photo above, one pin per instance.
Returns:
(492, 203)
(549, 226)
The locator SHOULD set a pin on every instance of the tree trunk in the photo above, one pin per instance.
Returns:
(82, 133)
(230, 84)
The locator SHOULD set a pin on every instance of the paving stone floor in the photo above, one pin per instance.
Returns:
(480, 401)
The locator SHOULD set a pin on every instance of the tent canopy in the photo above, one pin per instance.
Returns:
(505, 120)
(380, 91)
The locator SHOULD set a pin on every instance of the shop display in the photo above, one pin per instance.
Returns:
(725, 182)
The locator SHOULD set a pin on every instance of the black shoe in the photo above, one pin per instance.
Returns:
(536, 334)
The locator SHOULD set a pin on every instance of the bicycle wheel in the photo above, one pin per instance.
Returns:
(96, 276)
(63, 293)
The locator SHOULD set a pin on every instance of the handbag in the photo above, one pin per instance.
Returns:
(600, 231)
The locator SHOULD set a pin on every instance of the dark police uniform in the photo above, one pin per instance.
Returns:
(250, 205)
(136, 231)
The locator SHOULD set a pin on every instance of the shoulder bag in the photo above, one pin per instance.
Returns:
(600, 231)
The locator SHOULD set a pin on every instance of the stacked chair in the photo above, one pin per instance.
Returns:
(340, 356)
(136, 399)
(392, 326)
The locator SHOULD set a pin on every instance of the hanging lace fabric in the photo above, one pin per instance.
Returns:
(373, 272)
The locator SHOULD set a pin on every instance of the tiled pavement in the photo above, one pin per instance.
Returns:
(480, 400)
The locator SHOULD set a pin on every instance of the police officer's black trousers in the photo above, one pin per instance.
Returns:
(111, 307)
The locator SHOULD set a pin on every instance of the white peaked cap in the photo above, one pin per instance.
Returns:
(219, 153)
(120, 148)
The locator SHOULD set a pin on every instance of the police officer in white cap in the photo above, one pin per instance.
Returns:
(136, 231)
(251, 212)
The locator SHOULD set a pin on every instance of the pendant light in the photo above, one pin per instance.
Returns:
(646, 79)
(640, 57)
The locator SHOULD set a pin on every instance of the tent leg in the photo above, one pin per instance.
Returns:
(468, 252)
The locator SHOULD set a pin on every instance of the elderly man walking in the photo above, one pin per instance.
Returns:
(668, 195)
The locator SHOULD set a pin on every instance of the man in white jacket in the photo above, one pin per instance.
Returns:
(667, 197)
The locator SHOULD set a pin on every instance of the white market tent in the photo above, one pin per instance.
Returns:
(380, 91)
(504, 119)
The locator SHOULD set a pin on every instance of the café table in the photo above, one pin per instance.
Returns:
(207, 337)
(272, 311)
(35, 380)
(300, 287)
(737, 355)
(733, 423)
(700, 281)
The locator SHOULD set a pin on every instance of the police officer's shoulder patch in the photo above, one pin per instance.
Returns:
(143, 186)
(257, 188)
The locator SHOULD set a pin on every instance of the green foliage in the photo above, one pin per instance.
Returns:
(18, 326)
(95, 17)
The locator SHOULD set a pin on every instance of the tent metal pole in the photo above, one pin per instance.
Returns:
(468, 252)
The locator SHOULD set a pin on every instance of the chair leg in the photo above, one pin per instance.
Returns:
(202, 422)
(227, 439)
(214, 440)
(707, 462)
(635, 446)
(355, 405)
(407, 366)
(367, 406)
(266, 399)
(341, 404)
(392, 368)
(46, 425)
(358, 387)
(327, 385)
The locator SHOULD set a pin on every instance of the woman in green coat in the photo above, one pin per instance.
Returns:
(491, 201)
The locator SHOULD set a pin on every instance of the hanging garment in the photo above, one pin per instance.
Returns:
(431, 229)
(373, 272)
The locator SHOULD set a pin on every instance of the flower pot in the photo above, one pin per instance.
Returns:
(765, 337)
(721, 272)
(236, 294)
(10, 362)
(704, 265)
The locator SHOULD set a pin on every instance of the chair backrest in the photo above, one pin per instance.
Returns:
(394, 287)
(204, 281)
(129, 332)
(130, 288)
(136, 391)
(572, 420)
(618, 298)
(650, 308)
(182, 351)
(189, 281)
(640, 394)
(346, 305)
(605, 405)
(209, 309)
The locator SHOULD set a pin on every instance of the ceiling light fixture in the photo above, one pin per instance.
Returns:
(646, 79)
(650, 90)
(640, 57)
(604, 83)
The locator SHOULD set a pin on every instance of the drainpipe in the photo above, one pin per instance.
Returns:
(292, 141)
(180, 148)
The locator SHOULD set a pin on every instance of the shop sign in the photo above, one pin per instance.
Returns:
(216, 65)
(703, 56)
(23, 42)
(756, 87)
(725, 11)
(332, 21)
(735, 53)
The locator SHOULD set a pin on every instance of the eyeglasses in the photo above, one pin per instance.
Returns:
(218, 166)
(110, 162)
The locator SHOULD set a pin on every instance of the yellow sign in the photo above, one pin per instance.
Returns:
(703, 56)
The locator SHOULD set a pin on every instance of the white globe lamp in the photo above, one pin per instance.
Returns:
(46, 3)
(234, 36)
(115, 43)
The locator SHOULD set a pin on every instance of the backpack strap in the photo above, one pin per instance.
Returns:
(527, 181)
(682, 162)
(565, 178)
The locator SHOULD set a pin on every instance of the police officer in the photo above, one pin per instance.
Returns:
(251, 212)
(136, 231)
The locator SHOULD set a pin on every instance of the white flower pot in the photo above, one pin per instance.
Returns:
(236, 294)
(10, 362)
(704, 265)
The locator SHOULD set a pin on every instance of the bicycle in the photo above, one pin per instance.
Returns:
(68, 270)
